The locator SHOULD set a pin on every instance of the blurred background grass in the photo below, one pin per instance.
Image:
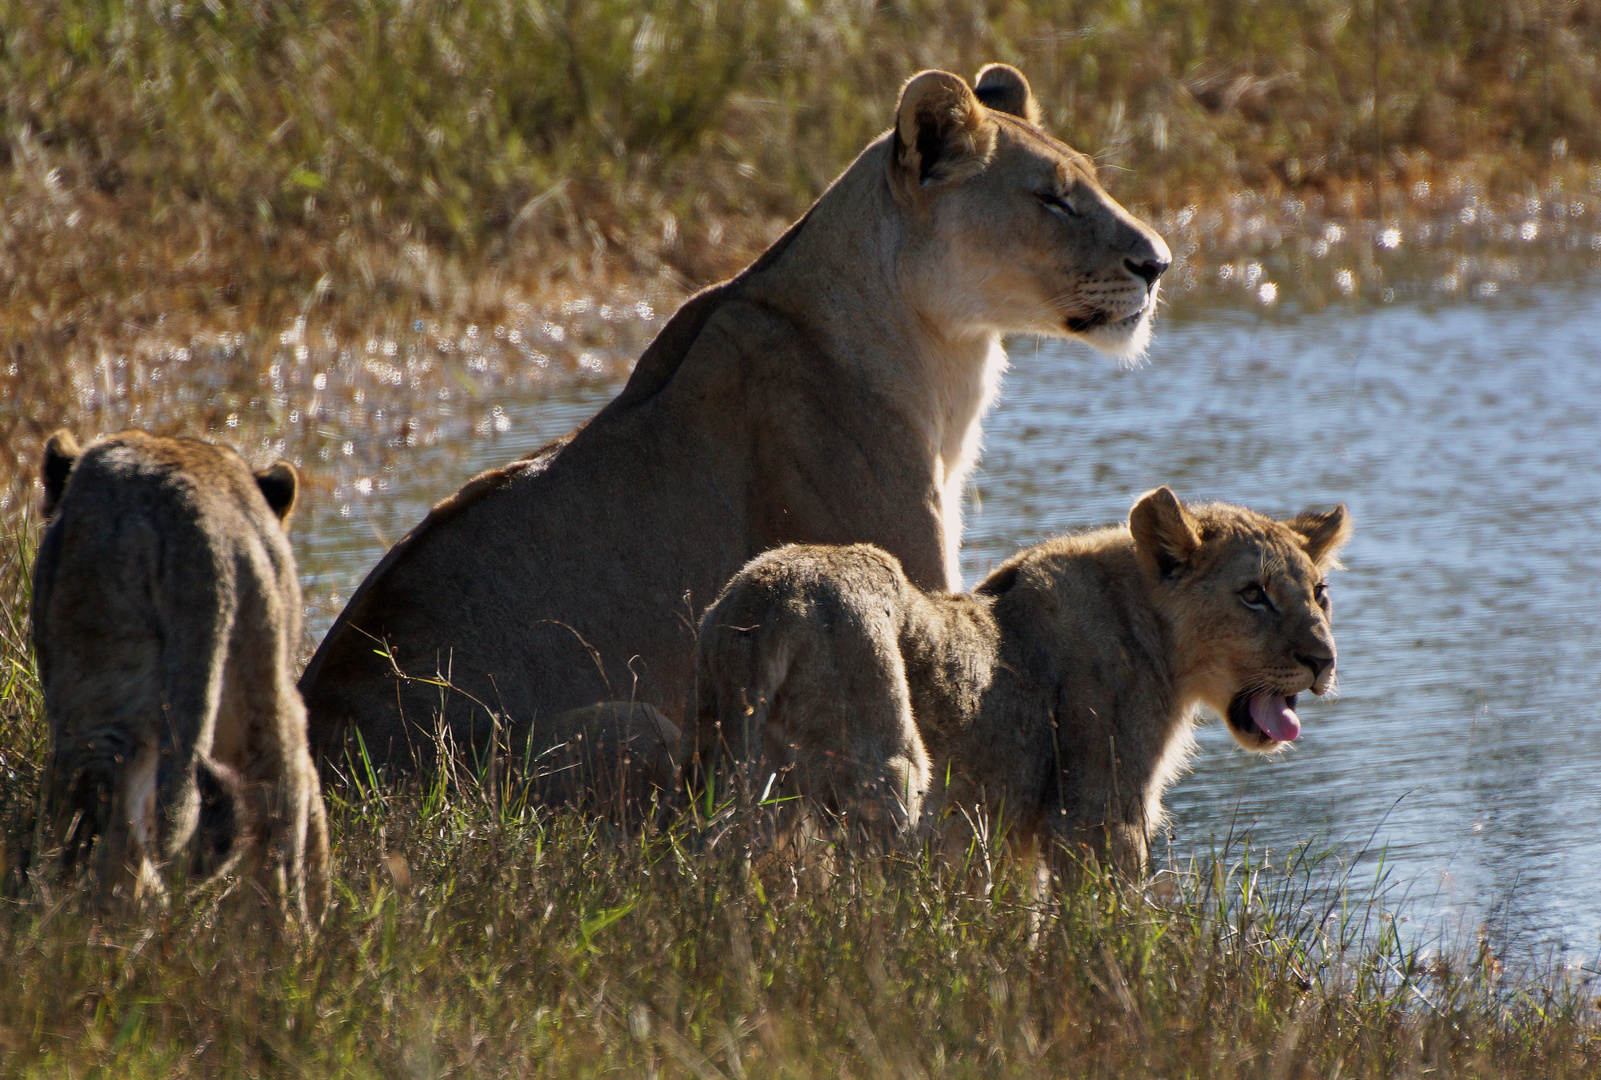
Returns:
(235, 162)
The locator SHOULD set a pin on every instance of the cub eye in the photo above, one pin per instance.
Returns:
(1320, 593)
(1253, 595)
(1057, 204)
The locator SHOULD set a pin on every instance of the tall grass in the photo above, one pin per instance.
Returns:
(242, 159)
(471, 935)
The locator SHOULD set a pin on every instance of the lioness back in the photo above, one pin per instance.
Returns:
(1056, 701)
(830, 393)
(166, 612)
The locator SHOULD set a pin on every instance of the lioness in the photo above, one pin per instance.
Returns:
(1061, 692)
(830, 393)
(165, 615)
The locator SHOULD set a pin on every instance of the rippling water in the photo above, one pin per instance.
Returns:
(1465, 435)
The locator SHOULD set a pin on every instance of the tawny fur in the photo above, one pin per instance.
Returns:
(1053, 704)
(166, 612)
(830, 393)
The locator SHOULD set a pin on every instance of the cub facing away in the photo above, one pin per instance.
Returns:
(1059, 695)
(165, 615)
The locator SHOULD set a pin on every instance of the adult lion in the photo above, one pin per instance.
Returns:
(1060, 693)
(166, 613)
(830, 393)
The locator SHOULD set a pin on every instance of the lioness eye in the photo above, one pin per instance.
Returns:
(1254, 596)
(1320, 593)
(1057, 203)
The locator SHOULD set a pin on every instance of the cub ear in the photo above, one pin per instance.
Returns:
(1164, 533)
(1002, 86)
(1322, 535)
(60, 455)
(280, 485)
(941, 132)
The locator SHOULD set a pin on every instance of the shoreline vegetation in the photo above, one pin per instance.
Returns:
(334, 229)
(277, 192)
(199, 169)
(472, 935)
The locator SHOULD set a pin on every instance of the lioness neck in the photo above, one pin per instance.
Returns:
(861, 278)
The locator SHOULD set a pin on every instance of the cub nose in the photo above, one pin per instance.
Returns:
(1148, 270)
(1318, 664)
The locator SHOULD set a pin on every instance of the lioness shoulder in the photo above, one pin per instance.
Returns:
(165, 614)
(1061, 691)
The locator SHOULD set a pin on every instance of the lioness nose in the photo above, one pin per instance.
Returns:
(1318, 664)
(1148, 269)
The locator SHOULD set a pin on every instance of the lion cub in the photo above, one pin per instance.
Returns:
(165, 614)
(1059, 695)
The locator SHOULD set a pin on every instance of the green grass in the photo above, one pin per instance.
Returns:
(246, 161)
(472, 936)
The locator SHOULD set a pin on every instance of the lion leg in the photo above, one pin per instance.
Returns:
(110, 777)
(80, 795)
(196, 616)
(104, 777)
(1120, 846)
(800, 680)
(294, 830)
(888, 765)
(617, 758)
(126, 855)
(100, 805)
(317, 876)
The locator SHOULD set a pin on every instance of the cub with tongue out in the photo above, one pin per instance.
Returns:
(1054, 704)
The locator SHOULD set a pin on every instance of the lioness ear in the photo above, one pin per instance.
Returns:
(60, 455)
(280, 485)
(1002, 86)
(1322, 535)
(941, 132)
(1164, 533)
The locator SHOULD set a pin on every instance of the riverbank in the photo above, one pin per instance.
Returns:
(470, 934)
(193, 177)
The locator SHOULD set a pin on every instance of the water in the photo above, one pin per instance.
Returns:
(1466, 440)
(1465, 437)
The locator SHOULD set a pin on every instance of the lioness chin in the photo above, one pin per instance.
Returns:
(166, 613)
(830, 393)
(1054, 703)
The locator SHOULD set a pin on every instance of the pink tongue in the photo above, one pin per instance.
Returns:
(1274, 716)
